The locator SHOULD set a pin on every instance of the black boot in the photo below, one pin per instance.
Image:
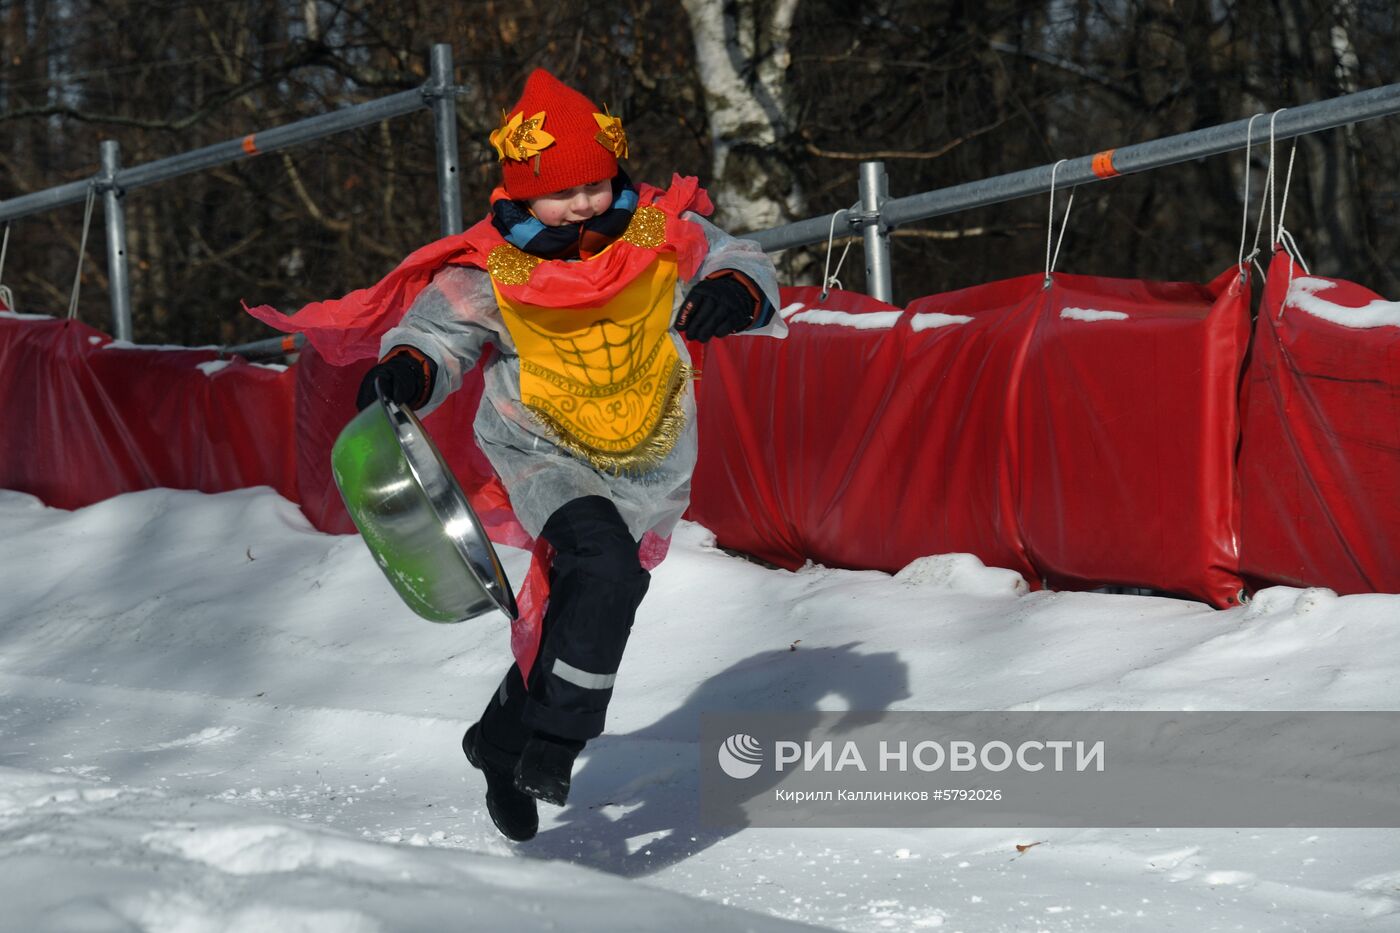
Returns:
(513, 812)
(545, 767)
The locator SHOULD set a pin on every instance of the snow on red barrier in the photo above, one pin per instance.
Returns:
(1320, 459)
(86, 418)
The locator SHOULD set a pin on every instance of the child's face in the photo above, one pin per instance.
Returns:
(572, 205)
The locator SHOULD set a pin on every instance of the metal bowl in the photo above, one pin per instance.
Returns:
(415, 519)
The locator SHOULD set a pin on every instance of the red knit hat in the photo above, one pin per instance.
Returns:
(555, 138)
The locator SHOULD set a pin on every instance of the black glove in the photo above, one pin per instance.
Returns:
(405, 376)
(717, 307)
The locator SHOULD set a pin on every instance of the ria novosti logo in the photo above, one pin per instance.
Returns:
(740, 756)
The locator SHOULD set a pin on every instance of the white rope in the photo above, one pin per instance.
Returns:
(1259, 227)
(1050, 224)
(1279, 235)
(1273, 222)
(82, 254)
(828, 277)
(1244, 219)
(1270, 179)
(1277, 231)
(1291, 245)
(1276, 220)
(1287, 181)
(1283, 236)
(7, 297)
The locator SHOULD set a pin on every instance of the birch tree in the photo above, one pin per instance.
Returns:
(742, 59)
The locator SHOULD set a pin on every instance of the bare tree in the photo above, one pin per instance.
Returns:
(742, 58)
(772, 102)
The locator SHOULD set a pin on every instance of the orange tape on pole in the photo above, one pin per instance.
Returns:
(1103, 164)
(289, 343)
(249, 146)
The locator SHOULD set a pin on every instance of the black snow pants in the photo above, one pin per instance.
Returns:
(596, 584)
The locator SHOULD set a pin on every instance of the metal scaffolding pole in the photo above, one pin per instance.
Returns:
(874, 194)
(112, 181)
(118, 283)
(232, 150)
(442, 94)
(877, 216)
(1291, 122)
(269, 346)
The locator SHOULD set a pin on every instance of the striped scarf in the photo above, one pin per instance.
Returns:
(567, 241)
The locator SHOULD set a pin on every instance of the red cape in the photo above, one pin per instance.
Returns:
(348, 329)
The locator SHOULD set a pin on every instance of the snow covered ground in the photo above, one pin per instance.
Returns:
(215, 718)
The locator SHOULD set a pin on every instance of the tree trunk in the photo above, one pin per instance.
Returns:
(741, 56)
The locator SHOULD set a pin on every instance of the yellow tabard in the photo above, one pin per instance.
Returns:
(606, 382)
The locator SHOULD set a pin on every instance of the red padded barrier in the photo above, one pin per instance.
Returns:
(1086, 450)
(325, 403)
(962, 376)
(84, 420)
(1320, 460)
(861, 441)
(781, 427)
(1127, 424)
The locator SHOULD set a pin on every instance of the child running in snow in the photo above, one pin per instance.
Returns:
(580, 281)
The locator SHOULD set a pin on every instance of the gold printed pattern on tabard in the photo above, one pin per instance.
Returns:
(606, 383)
(644, 450)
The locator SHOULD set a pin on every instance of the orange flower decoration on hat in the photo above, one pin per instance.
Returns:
(580, 148)
(611, 135)
(519, 139)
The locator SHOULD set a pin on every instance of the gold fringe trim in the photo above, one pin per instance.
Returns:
(645, 456)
